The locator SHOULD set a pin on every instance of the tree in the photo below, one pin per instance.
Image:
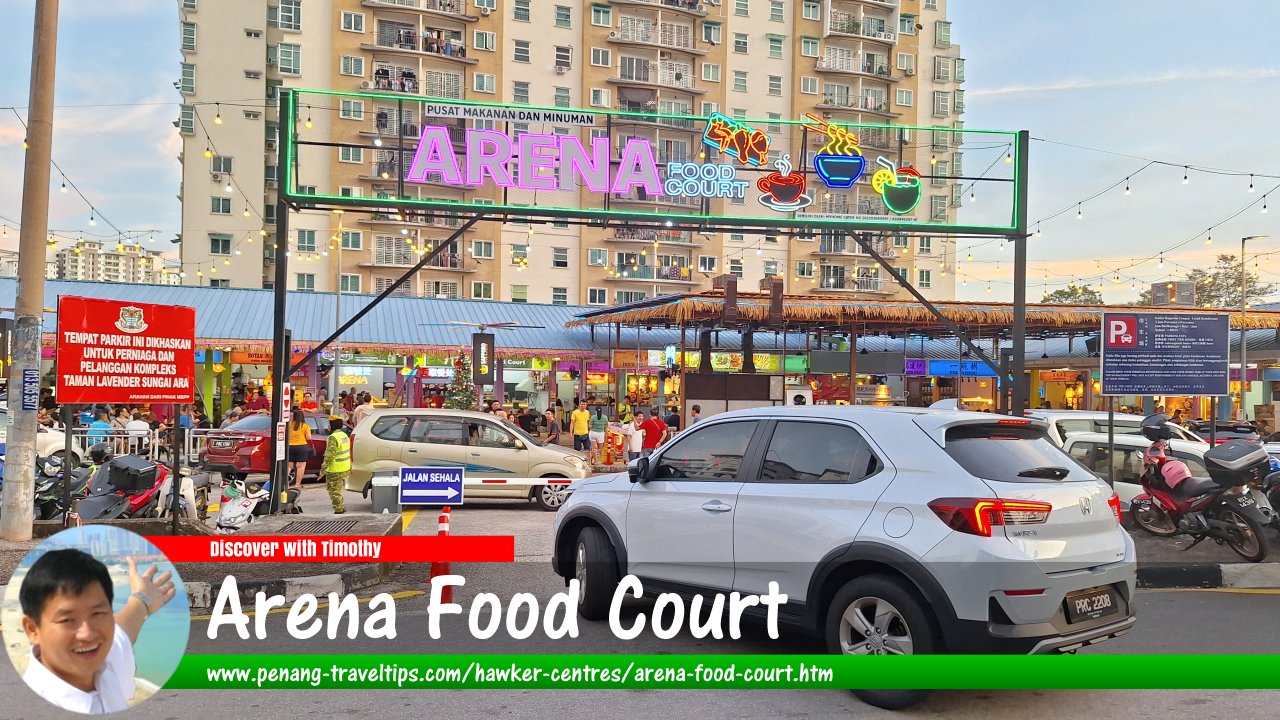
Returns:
(461, 394)
(1073, 295)
(1219, 285)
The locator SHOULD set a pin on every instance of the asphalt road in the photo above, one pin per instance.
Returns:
(1170, 622)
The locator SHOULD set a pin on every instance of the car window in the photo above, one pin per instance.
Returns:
(491, 436)
(253, 423)
(1001, 452)
(809, 452)
(438, 432)
(391, 428)
(713, 452)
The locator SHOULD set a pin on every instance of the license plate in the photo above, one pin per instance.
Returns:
(221, 443)
(1091, 604)
(1245, 501)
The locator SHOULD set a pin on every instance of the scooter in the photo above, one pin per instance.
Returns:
(1271, 488)
(243, 502)
(49, 486)
(193, 500)
(125, 487)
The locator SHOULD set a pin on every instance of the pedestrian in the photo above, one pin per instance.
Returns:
(308, 402)
(553, 428)
(580, 427)
(99, 429)
(139, 432)
(695, 413)
(257, 402)
(655, 431)
(336, 466)
(672, 421)
(1177, 417)
(362, 411)
(527, 420)
(599, 424)
(46, 400)
(299, 447)
(635, 438)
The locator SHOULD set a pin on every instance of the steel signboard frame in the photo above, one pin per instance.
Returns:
(431, 486)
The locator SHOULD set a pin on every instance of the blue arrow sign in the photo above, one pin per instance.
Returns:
(431, 486)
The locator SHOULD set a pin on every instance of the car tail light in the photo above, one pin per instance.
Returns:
(977, 516)
(1014, 421)
(1023, 593)
(1114, 502)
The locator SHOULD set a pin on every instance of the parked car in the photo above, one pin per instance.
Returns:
(1227, 431)
(499, 460)
(244, 446)
(1065, 422)
(891, 530)
(1091, 450)
(49, 443)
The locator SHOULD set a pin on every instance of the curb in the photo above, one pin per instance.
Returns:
(200, 595)
(1210, 575)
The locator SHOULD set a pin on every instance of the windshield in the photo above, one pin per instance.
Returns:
(1011, 454)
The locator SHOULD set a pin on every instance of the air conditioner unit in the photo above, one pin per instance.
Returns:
(484, 12)
(910, 72)
(271, 183)
(215, 177)
(560, 69)
(366, 84)
(271, 144)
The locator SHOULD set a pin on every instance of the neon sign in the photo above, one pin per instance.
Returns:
(704, 180)
(839, 162)
(898, 187)
(784, 190)
(736, 139)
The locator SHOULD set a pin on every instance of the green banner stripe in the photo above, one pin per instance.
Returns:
(705, 672)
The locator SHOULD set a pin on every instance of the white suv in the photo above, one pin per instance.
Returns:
(895, 530)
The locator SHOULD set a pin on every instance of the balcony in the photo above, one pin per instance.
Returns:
(841, 283)
(651, 273)
(433, 42)
(451, 9)
(643, 76)
(847, 247)
(843, 23)
(647, 116)
(413, 218)
(453, 262)
(657, 237)
(847, 66)
(652, 37)
(639, 197)
(401, 82)
(692, 8)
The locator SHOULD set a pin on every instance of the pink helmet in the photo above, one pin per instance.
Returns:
(1174, 472)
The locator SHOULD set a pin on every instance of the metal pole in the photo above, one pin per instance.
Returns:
(1111, 440)
(1019, 398)
(337, 319)
(1244, 350)
(280, 345)
(68, 448)
(175, 460)
(19, 501)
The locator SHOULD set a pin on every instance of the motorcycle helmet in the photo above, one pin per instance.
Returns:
(1156, 427)
(101, 453)
(1174, 472)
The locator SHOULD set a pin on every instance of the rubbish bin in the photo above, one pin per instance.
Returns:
(385, 493)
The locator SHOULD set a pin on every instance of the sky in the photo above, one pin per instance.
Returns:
(1171, 81)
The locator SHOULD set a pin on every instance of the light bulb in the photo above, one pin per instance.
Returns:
(1161, 266)
(759, 251)
(1209, 240)
(404, 231)
(933, 159)
(228, 186)
(377, 142)
(1185, 178)
(213, 269)
(226, 262)
(969, 257)
(182, 274)
(246, 212)
(64, 186)
(1037, 229)
(1008, 157)
(1079, 212)
(25, 144)
(237, 251)
(973, 197)
(199, 273)
(1264, 205)
(208, 152)
(1250, 183)
(152, 238)
(1126, 186)
(92, 220)
(308, 123)
(217, 119)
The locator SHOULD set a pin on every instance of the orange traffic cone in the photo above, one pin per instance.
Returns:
(442, 568)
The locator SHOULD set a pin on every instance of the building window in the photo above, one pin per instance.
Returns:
(809, 47)
(775, 126)
(601, 57)
(221, 164)
(188, 82)
(187, 120)
(804, 269)
(343, 190)
(629, 296)
(519, 293)
(735, 266)
(521, 53)
(306, 282)
(482, 249)
(740, 43)
(771, 268)
(740, 80)
(926, 246)
(352, 65)
(942, 69)
(484, 82)
(520, 92)
(559, 257)
(775, 46)
(564, 16)
(707, 263)
(941, 103)
(602, 16)
(481, 290)
(307, 241)
(220, 205)
(599, 97)
(711, 32)
(710, 72)
(808, 85)
(353, 22)
(598, 257)
(812, 10)
(189, 36)
(352, 239)
(938, 207)
(905, 97)
(930, 4)
(925, 279)
(775, 84)
(289, 57)
(907, 25)
(189, 5)
(559, 296)
(742, 7)
(219, 244)
(710, 108)
(219, 283)
(564, 56)
(521, 11)
(487, 4)
(350, 154)
(350, 284)
(351, 109)
(597, 296)
(484, 40)
(907, 62)
(562, 98)
(942, 34)
(776, 11)
(737, 237)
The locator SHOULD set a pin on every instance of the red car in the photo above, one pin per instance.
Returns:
(244, 446)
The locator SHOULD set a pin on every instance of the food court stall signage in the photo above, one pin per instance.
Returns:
(1165, 354)
(959, 368)
(125, 352)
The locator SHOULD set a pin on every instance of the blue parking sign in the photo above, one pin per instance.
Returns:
(430, 486)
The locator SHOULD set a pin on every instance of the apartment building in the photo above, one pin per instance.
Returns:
(111, 262)
(764, 60)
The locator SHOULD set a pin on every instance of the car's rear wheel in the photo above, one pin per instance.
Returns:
(879, 615)
(595, 565)
(75, 459)
(550, 497)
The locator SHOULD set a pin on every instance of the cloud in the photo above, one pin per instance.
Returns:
(1221, 74)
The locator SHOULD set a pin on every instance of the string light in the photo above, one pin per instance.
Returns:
(1126, 186)
(1161, 266)
(228, 188)
(92, 219)
(217, 119)
(1251, 183)
(1185, 177)
(64, 186)
(308, 124)
(246, 211)
(973, 197)
(208, 152)
(1037, 229)
(1079, 211)
(1008, 157)
(933, 159)
(377, 142)
(1209, 240)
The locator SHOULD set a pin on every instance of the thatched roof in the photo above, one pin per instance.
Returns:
(888, 315)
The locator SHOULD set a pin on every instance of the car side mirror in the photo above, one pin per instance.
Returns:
(639, 470)
(520, 445)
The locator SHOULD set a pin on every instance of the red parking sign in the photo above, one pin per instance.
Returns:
(1122, 331)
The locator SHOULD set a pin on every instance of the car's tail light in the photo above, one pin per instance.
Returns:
(977, 516)
(1114, 502)
(1014, 421)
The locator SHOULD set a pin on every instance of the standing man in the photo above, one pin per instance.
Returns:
(655, 431)
(336, 465)
(553, 428)
(695, 414)
(580, 427)
(362, 411)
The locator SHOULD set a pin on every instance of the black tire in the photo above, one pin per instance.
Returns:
(202, 505)
(550, 497)
(1152, 518)
(595, 565)
(75, 460)
(909, 621)
(1251, 543)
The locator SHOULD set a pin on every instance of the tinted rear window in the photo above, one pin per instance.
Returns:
(253, 423)
(1071, 427)
(1001, 452)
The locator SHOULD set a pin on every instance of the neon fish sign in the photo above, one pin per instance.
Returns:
(736, 139)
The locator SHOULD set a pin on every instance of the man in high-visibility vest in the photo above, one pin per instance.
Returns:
(337, 463)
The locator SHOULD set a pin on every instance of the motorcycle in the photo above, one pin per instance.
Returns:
(244, 501)
(49, 486)
(193, 500)
(125, 487)
(1271, 488)
(1225, 507)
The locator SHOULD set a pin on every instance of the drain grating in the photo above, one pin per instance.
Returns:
(317, 527)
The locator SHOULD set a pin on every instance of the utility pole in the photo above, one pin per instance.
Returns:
(337, 323)
(1244, 350)
(17, 517)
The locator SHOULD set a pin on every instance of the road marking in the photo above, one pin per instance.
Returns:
(407, 516)
(323, 605)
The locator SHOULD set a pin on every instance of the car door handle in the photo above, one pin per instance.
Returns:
(412, 450)
(475, 454)
(715, 506)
